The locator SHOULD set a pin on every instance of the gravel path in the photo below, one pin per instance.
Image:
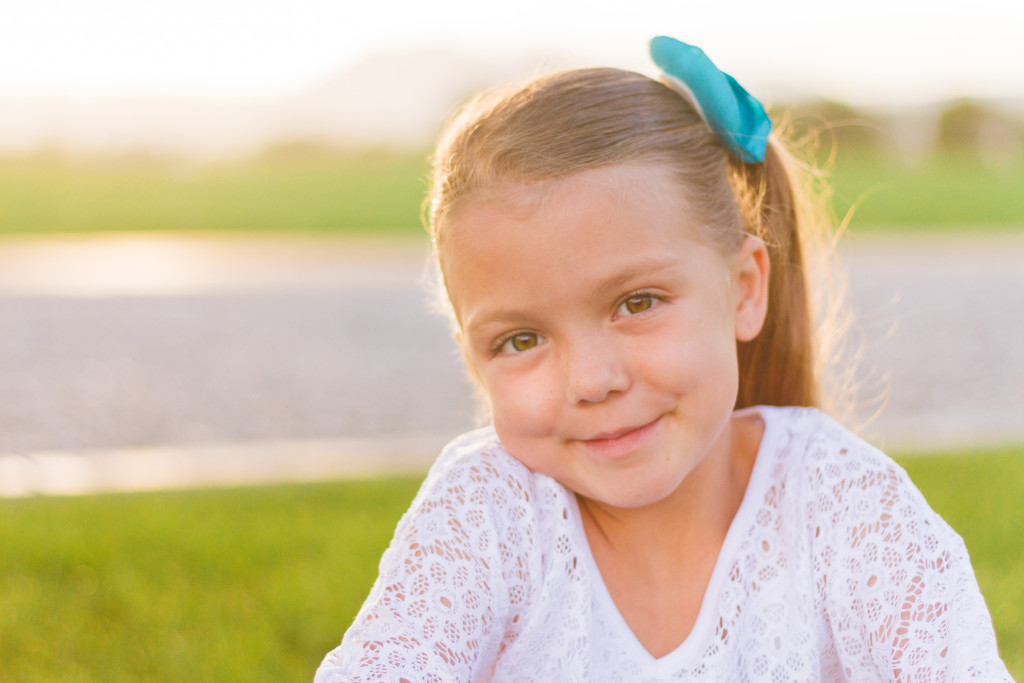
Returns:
(112, 344)
(341, 344)
(941, 329)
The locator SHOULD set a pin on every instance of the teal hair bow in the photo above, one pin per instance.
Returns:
(736, 117)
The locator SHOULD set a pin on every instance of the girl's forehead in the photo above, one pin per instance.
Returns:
(565, 232)
(520, 199)
(517, 200)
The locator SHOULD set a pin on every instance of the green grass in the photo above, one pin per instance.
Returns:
(369, 192)
(249, 584)
(943, 193)
(258, 584)
(318, 190)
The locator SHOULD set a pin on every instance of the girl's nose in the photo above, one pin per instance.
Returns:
(593, 370)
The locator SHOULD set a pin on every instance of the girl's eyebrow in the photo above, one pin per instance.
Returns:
(642, 268)
(504, 316)
(637, 270)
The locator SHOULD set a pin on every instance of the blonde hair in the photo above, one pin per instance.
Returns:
(565, 122)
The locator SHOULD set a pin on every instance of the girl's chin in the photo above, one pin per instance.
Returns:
(623, 496)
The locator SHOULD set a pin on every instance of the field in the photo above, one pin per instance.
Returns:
(248, 584)
(943, 194)
(380, 192)
(257, 584)
(313, 190)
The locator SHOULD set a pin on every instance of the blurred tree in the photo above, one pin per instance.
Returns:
(960, 125)
(972, 129)
(832, 128)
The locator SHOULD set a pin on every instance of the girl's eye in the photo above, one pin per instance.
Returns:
(519, 342)
(638, 303)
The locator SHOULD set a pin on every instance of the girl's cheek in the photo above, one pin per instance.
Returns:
(523, 404)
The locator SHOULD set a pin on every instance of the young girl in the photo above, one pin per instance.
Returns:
(624, 263)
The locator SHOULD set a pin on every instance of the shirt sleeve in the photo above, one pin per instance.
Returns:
(902, 598)
(449, 591)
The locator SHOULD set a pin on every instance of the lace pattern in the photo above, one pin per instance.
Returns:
(834, 569)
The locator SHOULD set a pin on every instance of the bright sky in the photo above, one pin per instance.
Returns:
(868, 51)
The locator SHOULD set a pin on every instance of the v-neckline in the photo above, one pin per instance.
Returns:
(733, 537)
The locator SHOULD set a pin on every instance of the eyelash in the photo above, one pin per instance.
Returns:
(502, 341)
(654, 299)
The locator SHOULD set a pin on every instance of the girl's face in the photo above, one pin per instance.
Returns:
(602, 325)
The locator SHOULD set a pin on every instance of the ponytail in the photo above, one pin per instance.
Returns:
(781, 366)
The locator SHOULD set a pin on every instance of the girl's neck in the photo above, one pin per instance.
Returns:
(656, 562)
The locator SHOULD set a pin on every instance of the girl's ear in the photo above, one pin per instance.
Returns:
(751, 282)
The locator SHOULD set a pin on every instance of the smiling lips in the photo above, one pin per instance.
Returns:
(621, 443)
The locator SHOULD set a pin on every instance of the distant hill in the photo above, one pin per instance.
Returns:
(396, 99)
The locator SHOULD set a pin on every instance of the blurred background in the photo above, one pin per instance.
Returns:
(213, 272)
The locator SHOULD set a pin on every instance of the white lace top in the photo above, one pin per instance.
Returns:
(834, 569)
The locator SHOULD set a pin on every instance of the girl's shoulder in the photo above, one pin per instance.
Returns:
(806, 442)
(476, 480)
(839, 482)
(477, 460)
(476, 455)
(852, 497)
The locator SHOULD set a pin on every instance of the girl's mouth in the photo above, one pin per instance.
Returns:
(622, 442)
